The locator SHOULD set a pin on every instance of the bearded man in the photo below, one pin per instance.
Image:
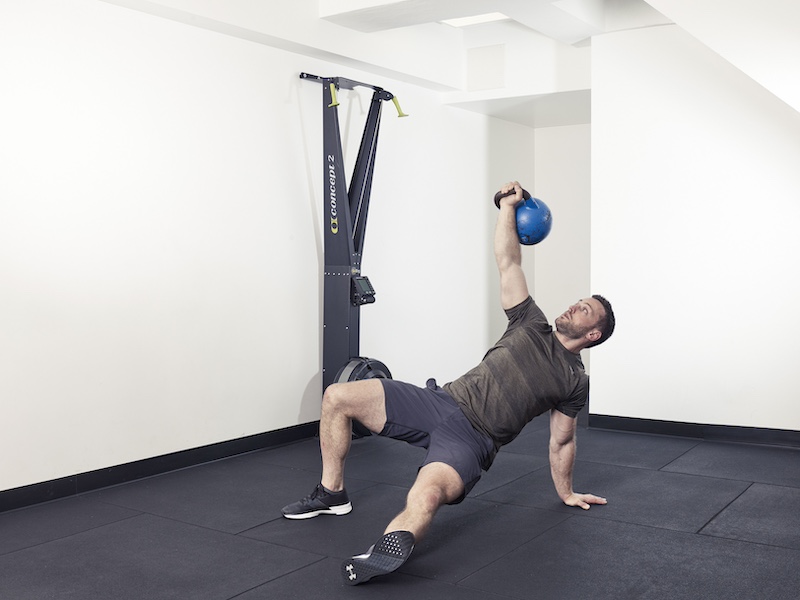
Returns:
(531, 370)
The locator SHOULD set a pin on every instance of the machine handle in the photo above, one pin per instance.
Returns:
(335, 82)
(334, 99)
(400, 112)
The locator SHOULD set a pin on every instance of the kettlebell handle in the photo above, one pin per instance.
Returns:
(499, 195)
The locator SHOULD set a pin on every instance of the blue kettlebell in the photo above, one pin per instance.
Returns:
(534, 218)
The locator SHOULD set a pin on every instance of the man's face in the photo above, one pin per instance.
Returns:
(580, 318)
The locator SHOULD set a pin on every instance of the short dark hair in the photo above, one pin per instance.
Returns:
(606, 324)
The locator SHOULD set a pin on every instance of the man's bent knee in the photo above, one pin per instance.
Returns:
(334, 396)
(360, 400)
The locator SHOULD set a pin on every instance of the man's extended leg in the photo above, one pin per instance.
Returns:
(436, 484)
(341, 403)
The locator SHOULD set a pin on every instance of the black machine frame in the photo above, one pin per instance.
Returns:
(346, 289)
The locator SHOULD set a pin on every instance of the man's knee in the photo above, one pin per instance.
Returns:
(334, 397)
(437, 484)
(428, 499)
(344, 398)
(362, 400)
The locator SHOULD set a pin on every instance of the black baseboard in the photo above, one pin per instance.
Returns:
(93, 480)
(717, 433)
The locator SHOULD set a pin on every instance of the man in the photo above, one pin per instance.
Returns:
(530, 370)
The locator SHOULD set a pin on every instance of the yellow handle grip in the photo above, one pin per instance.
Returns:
(334, 99)
(400, 112)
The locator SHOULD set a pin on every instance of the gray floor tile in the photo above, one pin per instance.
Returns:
(469, 536)
(766, 514)
(385, 461)
(445, 554)
(230, 495)
(340, 536)
(667, 500)
(610, 447)
(146, 557)
(215, 531)
(593, 558)
(301, 455)
(746, 462)
(54, 520)
(631, 449)
(306, 454)
(508, 467)
(322, 581)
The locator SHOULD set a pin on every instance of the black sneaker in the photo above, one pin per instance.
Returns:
(319, 502)
(385, 556)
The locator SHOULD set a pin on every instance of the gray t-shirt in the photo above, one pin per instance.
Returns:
(528, 372)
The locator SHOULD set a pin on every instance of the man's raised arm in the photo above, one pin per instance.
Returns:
(513, 286)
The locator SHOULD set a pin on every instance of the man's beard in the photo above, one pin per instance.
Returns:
(570, 330)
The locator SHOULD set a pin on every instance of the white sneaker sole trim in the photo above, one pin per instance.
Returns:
(341, 509)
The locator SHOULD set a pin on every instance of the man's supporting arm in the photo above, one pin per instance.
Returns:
(562, 460)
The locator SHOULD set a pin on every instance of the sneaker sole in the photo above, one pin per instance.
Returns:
(339, 510)
(391, 551)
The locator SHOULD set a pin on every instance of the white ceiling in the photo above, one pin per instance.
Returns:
(760, 37)
(567, 21)
(570, 22)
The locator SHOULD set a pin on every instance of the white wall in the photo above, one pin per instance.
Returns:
(160, 240)
(694, 215)
(563, 169)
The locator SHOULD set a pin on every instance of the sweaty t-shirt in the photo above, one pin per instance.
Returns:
(525, 374)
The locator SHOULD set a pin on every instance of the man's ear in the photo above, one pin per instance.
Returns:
(594, 335)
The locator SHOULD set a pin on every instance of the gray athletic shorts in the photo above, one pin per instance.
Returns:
(429, 417)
